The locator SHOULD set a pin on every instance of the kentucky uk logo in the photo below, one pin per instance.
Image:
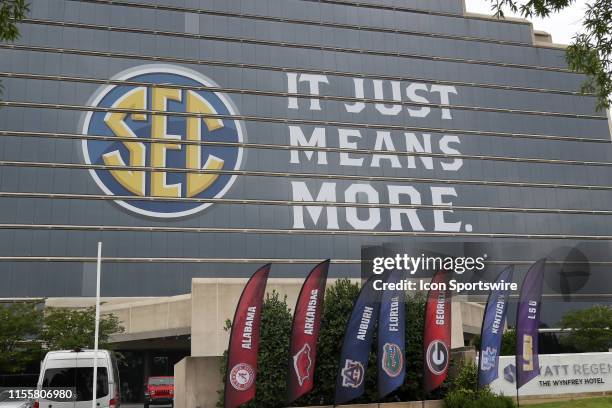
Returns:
(142, 157)
(489, 359)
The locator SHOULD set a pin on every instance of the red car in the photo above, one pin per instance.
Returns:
(159, 391)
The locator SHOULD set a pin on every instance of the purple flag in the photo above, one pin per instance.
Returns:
(527, 324)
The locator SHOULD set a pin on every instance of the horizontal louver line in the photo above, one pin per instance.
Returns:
(257, 92)
(248, 118)
(22, 47)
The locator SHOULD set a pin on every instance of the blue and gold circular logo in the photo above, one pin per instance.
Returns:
(142, 136)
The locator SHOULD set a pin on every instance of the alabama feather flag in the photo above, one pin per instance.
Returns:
(244, 341)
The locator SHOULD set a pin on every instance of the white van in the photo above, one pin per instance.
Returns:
(74, 370)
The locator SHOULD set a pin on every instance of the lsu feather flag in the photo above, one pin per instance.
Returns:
(437, 336)
(493, 323)
(391, 338)
(305, 332)
(528, 323)
(244, 341)
(357, 344)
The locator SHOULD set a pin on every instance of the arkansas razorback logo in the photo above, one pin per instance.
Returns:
(302, 364)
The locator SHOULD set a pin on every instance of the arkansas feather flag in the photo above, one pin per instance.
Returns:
(305, 332)
(437, 336)
(493, 323)
(357, 344)
(244, 341)
(527, 324)
(391, 338)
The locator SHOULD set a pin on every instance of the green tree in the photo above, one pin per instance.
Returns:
(11, 12)
(590, 329)
(20, 325)
(66, 329)
(591, 51)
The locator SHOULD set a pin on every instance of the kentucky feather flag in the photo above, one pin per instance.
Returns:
(357, 344)
(493, 323)
(391, 338)
(437, 336)
(244, 341)
(305, 332)
(528, 323)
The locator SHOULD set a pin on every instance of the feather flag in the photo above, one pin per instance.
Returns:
(305, 332)
(244, 341)
(528, 323)
(437, 336)
(493, 322)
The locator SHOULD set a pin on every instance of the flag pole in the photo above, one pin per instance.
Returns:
(97, 327)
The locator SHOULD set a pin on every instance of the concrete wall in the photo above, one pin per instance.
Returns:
(214, 301)
(197, 380)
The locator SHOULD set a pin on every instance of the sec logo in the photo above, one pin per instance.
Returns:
(141, 135)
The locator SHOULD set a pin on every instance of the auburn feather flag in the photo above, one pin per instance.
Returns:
(528, 323)
(493, 323)
(391, 337)
(437, 336)
(354, 357)
(305, 332)
(244, 341)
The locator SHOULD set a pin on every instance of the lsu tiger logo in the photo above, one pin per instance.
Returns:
(141, 131)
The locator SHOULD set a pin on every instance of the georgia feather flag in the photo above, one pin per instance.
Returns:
(437, 336)
(391, 338)
(528, 323)
(244, 341)
(305, 332)
(493, 323)
(357, 344)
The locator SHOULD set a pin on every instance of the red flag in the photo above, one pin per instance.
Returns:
(244, 341)
(437, 336)
(305, 332)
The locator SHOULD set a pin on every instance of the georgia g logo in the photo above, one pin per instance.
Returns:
(437, 357)
(170, 160)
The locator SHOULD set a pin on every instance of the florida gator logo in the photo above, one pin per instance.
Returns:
(392, 360)
(302, 363)
(139, 133)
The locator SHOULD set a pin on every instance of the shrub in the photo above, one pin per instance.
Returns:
(476, 399)
(339, 300)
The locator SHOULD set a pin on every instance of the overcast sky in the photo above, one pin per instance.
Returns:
(563, 26)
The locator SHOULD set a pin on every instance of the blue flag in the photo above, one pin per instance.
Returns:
(391, 337)
(493, 324)
(357, 344)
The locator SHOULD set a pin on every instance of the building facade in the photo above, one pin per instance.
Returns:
(203, 138)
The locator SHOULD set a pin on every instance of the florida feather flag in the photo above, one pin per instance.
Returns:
(493, 323)
(437, 336)
(305, 332)
(391, 337)
(244, 341)
(357, 344)
(528, 323)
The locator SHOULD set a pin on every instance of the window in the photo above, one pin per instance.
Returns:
(80, 379)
